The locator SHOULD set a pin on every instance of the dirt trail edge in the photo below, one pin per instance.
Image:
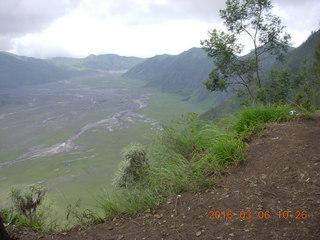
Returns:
(274, 195)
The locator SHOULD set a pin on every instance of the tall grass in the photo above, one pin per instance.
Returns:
(249, 118)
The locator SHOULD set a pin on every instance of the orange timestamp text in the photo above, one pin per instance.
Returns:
(246, 215)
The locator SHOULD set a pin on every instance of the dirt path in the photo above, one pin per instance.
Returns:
(282, 174)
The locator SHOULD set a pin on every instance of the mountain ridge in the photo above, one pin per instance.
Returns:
(103, 62)
(181, 74)
(18, 71)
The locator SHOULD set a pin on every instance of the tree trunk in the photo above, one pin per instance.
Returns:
(3, 233)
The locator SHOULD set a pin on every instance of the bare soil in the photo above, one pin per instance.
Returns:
(274, 195)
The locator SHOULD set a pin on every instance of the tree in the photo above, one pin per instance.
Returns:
(284, 87)
(3, 233)
(252, 18)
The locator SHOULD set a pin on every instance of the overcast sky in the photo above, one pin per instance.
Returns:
(144, 28)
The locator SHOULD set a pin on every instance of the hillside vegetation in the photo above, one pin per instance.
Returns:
(302, 56)
(17, 71)
(181, 74)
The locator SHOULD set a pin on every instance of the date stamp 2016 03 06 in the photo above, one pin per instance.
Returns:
(247, 215)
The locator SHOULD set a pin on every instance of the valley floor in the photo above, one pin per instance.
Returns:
(282, 174)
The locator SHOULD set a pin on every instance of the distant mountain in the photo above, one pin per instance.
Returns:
(182, 74)
(17, 71)
(105, 62)
(297, 58)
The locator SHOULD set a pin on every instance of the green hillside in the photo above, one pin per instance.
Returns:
(295, 59)
(181, 74)
(17, 71)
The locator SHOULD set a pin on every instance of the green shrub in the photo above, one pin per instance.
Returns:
(27, 202)
(134, 165)
(45, 219)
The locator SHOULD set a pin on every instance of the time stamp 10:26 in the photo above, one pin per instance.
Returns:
(246, 215)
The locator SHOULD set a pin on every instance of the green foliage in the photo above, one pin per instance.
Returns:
(45, 219)
(134, 165)
(11, 216)
(250, 118)
(128, 201)
(282, 87)
(87, 216)
(215, 82)
(254, 19)
(304, 98)
(27, 202)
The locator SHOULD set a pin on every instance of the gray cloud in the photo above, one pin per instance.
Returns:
(19, 17)
(300, 17)
(154, 12)
(202, 10)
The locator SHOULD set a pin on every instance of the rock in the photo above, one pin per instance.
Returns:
(198, 233)
(158, 216)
